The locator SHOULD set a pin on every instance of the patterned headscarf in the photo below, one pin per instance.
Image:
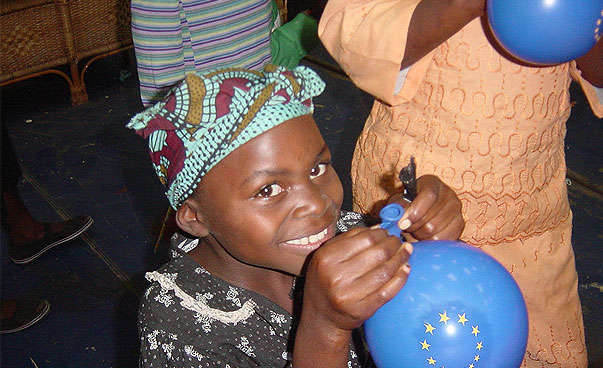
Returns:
(208, 115)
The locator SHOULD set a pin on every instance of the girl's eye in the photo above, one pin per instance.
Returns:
(270, 191)
(318, 170)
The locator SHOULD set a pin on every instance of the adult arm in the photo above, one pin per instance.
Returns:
(587, 71)
(373, 40)
(590, 65)
(434, 21)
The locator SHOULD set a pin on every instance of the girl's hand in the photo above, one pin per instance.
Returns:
(435, 214)
(351, 276)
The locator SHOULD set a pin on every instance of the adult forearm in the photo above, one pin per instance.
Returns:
(591, 65)
(434, 21)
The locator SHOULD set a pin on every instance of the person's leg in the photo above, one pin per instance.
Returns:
(21, 226)
(27, 237)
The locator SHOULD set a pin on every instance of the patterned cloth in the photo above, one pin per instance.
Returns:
(491, 129)
(190, 318)
(174, 38)
(208, 115)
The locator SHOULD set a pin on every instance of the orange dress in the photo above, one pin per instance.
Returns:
(493, 131)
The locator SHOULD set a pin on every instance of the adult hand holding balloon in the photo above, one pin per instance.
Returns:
(546, 31)
(459, 308)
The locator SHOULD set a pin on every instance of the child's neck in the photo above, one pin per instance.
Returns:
(274, 285)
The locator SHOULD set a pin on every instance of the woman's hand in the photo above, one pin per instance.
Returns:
(435, 214)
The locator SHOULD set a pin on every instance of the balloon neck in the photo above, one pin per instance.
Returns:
(390, 215)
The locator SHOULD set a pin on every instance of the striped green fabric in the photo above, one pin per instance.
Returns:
(177, 37)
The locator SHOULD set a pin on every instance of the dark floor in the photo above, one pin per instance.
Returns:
(81, 160)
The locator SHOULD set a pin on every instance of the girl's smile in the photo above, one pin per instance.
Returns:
(310, 243)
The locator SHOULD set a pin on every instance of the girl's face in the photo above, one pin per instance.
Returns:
(275, 199)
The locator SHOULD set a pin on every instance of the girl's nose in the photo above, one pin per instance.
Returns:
(310, 202)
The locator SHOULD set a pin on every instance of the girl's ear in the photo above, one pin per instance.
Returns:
(190, 219)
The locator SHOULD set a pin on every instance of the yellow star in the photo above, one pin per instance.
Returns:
(462, 319)
(431, 361)
(476, 358)
(471, 365)
(429, 328)
(425, 345)
(443, 317)
(474, 331)
(479, 346)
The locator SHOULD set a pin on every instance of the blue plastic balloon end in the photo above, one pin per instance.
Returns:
(390, 215)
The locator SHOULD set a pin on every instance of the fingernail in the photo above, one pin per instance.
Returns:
(406, 268)
(408, 247)
(404, 223)
(375, 226)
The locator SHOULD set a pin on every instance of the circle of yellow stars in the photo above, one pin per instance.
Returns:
(460, 320)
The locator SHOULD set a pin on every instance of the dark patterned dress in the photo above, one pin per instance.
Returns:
(190, 318)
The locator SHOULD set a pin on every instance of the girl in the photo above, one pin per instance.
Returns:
(274, 273)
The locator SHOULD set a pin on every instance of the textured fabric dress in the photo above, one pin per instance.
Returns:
(172, 38)
(491, 129)
(191, 318)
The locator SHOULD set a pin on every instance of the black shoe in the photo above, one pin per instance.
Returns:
(27, 312)
(28, 252)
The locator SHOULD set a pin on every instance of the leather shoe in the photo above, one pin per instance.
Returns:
(26, 312)
(28, 252)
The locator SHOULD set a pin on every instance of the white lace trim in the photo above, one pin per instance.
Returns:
(187, 245)
(200, 306)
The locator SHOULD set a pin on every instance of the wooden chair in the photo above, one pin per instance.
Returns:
(40, 36)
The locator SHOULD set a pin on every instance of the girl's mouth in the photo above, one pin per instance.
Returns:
(309, 239)
(313, 241)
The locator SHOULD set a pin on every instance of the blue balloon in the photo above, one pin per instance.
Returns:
(459, 308)
(546, 31)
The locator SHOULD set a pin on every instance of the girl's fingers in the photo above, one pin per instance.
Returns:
(452, 231)
(427, 216)
(349, 244)
(371, 275)
(434, 222)
(392, 287)
(374, 300)
(389, 251)
(379, 253)
(427, 197)
(433, 211)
